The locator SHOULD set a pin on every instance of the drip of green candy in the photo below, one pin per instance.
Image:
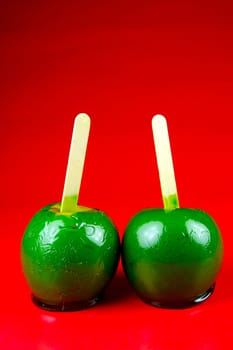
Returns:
(69, 206)
(171, 202)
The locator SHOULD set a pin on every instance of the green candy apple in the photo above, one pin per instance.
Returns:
(69, 259)
(172, 257)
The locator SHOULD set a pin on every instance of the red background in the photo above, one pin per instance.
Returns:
(121, 62)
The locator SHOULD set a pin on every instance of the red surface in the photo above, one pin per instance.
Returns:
(121, 62)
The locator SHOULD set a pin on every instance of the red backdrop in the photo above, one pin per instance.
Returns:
(121, 62)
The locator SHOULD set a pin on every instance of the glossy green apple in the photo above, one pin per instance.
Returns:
(69, 259)
(172, 257)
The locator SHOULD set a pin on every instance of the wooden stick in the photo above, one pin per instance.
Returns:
(164, 161)
(75, 165)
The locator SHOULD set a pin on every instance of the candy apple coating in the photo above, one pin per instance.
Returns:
(172, 257)
(69, 258)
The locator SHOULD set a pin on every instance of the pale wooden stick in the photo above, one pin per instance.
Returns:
(164, 161)
(75, 165)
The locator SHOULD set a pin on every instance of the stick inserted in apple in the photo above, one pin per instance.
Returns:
(69, 252)
(171, 256)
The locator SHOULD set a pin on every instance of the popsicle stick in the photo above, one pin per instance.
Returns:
(75, 165)
(164, 161)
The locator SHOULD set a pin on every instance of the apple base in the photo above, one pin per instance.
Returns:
(182, 304)
(66, 306)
